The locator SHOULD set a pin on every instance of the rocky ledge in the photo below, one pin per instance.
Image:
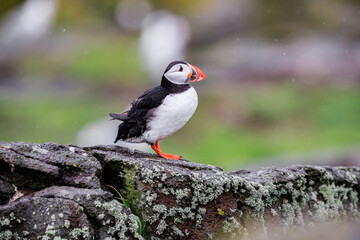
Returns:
(52, 191)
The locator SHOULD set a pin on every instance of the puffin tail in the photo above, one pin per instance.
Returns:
(121, 116)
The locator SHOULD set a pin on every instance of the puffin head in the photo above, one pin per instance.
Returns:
(180, 72)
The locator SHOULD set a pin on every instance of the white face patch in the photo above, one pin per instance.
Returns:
(178, 74)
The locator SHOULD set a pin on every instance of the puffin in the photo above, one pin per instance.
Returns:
(162, 110)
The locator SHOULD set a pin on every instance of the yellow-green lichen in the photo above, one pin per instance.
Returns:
(220, 212)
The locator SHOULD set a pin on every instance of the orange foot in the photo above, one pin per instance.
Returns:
(164, 155)
(170, 156)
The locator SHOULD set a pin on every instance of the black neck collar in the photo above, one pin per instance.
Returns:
(172, 87)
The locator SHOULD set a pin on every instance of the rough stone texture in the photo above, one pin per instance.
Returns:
(51, 191)
(7, 190)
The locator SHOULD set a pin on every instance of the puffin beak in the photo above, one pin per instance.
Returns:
(196, 74)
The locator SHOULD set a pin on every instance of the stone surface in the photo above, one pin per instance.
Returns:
(69, 193)
(7, 190)
(44, 218)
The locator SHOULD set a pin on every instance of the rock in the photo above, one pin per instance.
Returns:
(37, 166)
(7, 190)
(194, 201)
(108, 216)
(157, 198)
(44, 218)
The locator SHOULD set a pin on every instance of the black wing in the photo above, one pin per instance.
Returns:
(134, 120)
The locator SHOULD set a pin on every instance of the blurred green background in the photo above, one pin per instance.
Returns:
(282, 76)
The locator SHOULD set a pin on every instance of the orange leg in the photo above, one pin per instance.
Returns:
(164, 155)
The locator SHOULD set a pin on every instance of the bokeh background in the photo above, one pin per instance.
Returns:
(282, 81)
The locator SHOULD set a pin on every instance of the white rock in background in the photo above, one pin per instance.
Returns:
(163, 39)
(25, 25)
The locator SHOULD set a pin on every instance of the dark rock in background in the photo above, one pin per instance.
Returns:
(51, 191)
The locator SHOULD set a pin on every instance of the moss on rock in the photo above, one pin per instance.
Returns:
(172, 199)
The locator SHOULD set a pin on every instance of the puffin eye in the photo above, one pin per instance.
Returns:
(181, 69)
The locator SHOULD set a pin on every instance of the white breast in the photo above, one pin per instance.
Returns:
(171, 115)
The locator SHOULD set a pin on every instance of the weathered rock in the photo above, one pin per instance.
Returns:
(7, 190)
(194, 201)
(36, 166)
(108, 216)
(64, 191)
(44, 218)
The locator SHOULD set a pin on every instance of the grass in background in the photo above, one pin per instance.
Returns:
(109, 60)
(48, 120)
(101, 60)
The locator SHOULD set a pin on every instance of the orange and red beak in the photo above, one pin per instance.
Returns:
(196, 74)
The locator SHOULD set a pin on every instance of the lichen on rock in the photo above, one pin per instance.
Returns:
(65, 195)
